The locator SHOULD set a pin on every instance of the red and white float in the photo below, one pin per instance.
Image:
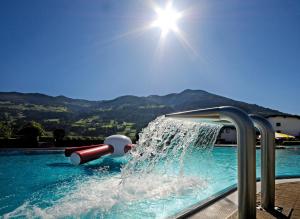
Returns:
(115, 145)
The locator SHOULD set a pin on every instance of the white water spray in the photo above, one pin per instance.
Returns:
(165, 141)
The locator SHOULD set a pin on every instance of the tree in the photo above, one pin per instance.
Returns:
(59, 134)
(32, 130)
(5, 130)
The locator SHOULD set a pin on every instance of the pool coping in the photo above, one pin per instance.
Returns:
(199, 206)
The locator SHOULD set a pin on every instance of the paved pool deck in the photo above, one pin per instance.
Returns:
(287, 198)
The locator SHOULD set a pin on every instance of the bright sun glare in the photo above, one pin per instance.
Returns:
(167, 20)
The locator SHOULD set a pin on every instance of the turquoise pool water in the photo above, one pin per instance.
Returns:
(46, 185)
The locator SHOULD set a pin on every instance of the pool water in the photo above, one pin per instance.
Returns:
(47, 186)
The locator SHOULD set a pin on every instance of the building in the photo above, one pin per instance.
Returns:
(286, 124)
(227, 135)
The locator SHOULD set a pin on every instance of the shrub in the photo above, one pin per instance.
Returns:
(5, 130)
(32, 130)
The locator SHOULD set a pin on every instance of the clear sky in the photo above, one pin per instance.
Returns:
(99, 49)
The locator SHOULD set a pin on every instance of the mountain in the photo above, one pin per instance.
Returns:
(125, 114)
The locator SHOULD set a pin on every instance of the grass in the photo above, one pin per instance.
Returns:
(52, 120)
(104, 109)
(86, 121)
(34, 107)
(152, 106)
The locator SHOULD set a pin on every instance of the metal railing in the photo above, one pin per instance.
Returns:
(246, 152)
(267, 142)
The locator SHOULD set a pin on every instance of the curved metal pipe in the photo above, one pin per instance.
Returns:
(246, 152)
(267, 142)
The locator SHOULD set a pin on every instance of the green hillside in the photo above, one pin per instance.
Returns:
(125, 114)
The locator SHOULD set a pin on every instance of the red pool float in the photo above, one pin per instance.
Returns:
(115, 145)
(86, 155)
(69, 151)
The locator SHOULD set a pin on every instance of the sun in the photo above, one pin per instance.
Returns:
(167, 20)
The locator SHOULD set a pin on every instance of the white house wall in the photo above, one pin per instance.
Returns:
(288, 125)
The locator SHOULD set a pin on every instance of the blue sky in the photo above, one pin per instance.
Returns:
(245, 50)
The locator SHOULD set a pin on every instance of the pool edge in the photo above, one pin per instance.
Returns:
(196, 208)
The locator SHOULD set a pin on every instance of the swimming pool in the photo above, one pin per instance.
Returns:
(46, 185)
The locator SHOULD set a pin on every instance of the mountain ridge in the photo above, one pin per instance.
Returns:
(149, 97)
(125, 114)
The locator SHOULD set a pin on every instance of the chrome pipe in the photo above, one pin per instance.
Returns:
(246, 152)
(267, 142)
